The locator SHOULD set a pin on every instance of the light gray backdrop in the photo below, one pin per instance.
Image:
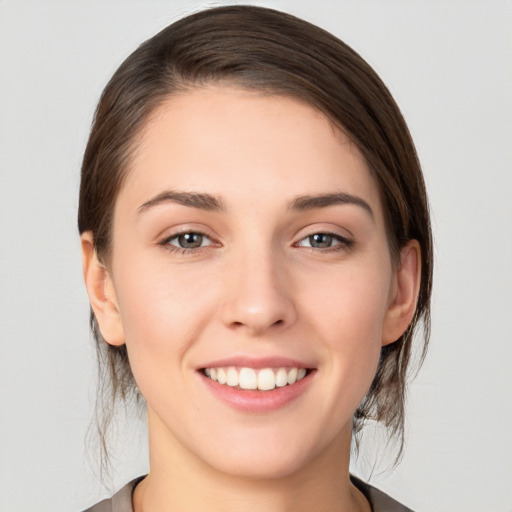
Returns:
(449, 65)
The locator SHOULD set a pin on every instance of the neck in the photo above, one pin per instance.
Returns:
(180, 481)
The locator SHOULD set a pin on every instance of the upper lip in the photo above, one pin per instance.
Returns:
(256, 362)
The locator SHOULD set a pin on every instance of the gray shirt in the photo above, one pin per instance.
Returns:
(379, 501)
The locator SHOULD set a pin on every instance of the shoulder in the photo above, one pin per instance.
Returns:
(120, 502)
(379, 500)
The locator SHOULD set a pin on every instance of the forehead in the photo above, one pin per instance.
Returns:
(244, 145)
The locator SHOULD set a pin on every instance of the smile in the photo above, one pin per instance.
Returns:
(263, 379)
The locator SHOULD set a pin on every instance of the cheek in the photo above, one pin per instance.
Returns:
(347, 309)
(163, 310)
(350, 301)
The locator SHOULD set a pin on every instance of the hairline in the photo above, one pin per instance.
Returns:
(185, 86)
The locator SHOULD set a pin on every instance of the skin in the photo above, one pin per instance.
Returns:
(255, 288)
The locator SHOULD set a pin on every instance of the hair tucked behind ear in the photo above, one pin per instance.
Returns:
(275, 53)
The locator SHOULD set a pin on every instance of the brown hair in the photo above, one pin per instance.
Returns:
(275, 53)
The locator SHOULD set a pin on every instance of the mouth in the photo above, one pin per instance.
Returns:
(261, 379)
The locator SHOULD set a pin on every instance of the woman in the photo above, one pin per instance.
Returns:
(257, 253)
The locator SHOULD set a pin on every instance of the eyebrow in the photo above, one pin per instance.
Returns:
(192, 199)
(210, 202)
(324, 200)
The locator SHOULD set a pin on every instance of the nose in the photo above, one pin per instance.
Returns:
(259, 295)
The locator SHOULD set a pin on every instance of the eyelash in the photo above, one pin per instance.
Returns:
(166, 243)
(342, 245)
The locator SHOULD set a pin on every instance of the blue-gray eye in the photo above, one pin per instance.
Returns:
(189, 240)
(324, 241)
(321, 240)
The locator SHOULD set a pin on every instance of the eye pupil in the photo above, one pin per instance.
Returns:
(190, 240)
(320, 240)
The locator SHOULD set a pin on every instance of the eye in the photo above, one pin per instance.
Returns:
(188, 240)
(324, 241)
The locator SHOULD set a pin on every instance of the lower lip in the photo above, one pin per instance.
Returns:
(254, 401)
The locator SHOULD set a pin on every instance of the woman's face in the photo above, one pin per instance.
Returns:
(249, 246)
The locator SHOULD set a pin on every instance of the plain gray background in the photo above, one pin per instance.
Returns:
(449, 66)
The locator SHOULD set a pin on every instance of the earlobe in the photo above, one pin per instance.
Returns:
(100, 289)
(404, 293)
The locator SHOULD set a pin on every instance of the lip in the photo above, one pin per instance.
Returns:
(254, 401)
(257, 363)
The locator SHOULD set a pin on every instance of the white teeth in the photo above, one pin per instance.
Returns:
(232, 377)
(247, 379)
(281, 378)
(221, 376)
(292, 375)
(264, 379)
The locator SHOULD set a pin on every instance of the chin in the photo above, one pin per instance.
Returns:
(259, 466)
(266, 454)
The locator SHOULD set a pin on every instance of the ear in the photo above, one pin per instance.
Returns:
(100, 289)
(404, 293)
